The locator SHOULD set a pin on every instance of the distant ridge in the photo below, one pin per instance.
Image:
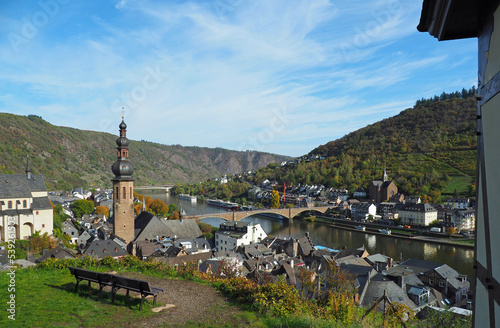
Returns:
(428, 150)
(70, 157)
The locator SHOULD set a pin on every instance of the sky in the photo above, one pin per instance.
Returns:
(268, 75)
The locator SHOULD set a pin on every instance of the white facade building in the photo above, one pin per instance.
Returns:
(24, 206)
(233, 234)
(418, 214)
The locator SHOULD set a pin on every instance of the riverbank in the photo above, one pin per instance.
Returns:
(399, 233)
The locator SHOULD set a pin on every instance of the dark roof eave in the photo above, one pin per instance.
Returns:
(452, 19)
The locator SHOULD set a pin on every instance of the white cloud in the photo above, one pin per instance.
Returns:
(226, 68)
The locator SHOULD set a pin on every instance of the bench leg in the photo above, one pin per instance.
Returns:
(113, 292)
(154, 300)
(100, 291)
(142, 301)
(76, 287)
(128, 292)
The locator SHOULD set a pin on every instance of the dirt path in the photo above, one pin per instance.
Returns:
(186, 302)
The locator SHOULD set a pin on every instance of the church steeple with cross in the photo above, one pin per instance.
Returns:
(123, 189)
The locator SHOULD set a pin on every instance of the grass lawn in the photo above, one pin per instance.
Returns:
(46, 298)
(460, 183)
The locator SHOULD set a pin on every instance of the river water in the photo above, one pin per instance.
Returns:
(459, 258)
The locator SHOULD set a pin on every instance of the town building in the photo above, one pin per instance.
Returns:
(381, 191)
(123, 189)
(359, 193)
(457, 203)
(24, 205)
(68, 228)
(417, 214)
(462, 219)
(233, 234)
(363, 211)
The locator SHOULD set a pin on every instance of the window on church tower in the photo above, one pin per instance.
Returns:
(131, 193)
(10, 204)
(25, 203)
(124, 192)
(117, 193)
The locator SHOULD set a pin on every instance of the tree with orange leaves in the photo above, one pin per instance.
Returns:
(158, 208)
(102, 210)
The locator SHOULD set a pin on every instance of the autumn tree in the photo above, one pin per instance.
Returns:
(81, 207)
(103, 210)
(308, 282)
(451, 231)
(275, 199)
(39, 242)
(158, 208)
(174, 216)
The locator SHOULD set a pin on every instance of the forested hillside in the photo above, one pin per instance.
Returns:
(429, 150)
(70, 157)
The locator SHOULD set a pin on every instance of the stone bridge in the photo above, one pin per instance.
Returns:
(286, 213)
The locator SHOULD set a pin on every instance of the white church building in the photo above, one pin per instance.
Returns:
(24, 206)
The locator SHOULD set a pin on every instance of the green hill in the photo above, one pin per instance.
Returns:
(429, 150)
(70, 157)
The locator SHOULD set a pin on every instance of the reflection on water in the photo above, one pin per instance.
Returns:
(371, 240)
(430, 250)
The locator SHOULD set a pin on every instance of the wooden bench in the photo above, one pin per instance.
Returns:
(134, 285)
(116, 283)
(103, 279)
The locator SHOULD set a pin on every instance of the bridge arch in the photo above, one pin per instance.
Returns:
(286, 213)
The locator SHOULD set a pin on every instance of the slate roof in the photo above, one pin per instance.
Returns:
(102, 248)
(419, 266)
(349, 251)
(375, 290)
(19, 186)
(377, 258)
(59, 253)
(453, 276)
(421, 207)
(41, 203)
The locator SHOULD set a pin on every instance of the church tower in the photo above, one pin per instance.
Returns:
(384, 179)
(123, 189)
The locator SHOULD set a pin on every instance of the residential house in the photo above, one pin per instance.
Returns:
(84, 239)
(462, 219)
(453, 285)
(379, 286)
(69, 229)
(363, 211)
(418, 214)
(359, 193)
(413, 200)
(233, 234)
(457, 203)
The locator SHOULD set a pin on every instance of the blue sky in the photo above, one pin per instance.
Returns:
(275, 76)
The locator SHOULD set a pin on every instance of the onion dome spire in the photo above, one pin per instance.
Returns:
(123, 168)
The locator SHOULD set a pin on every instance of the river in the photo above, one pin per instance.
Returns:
(459, 258)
